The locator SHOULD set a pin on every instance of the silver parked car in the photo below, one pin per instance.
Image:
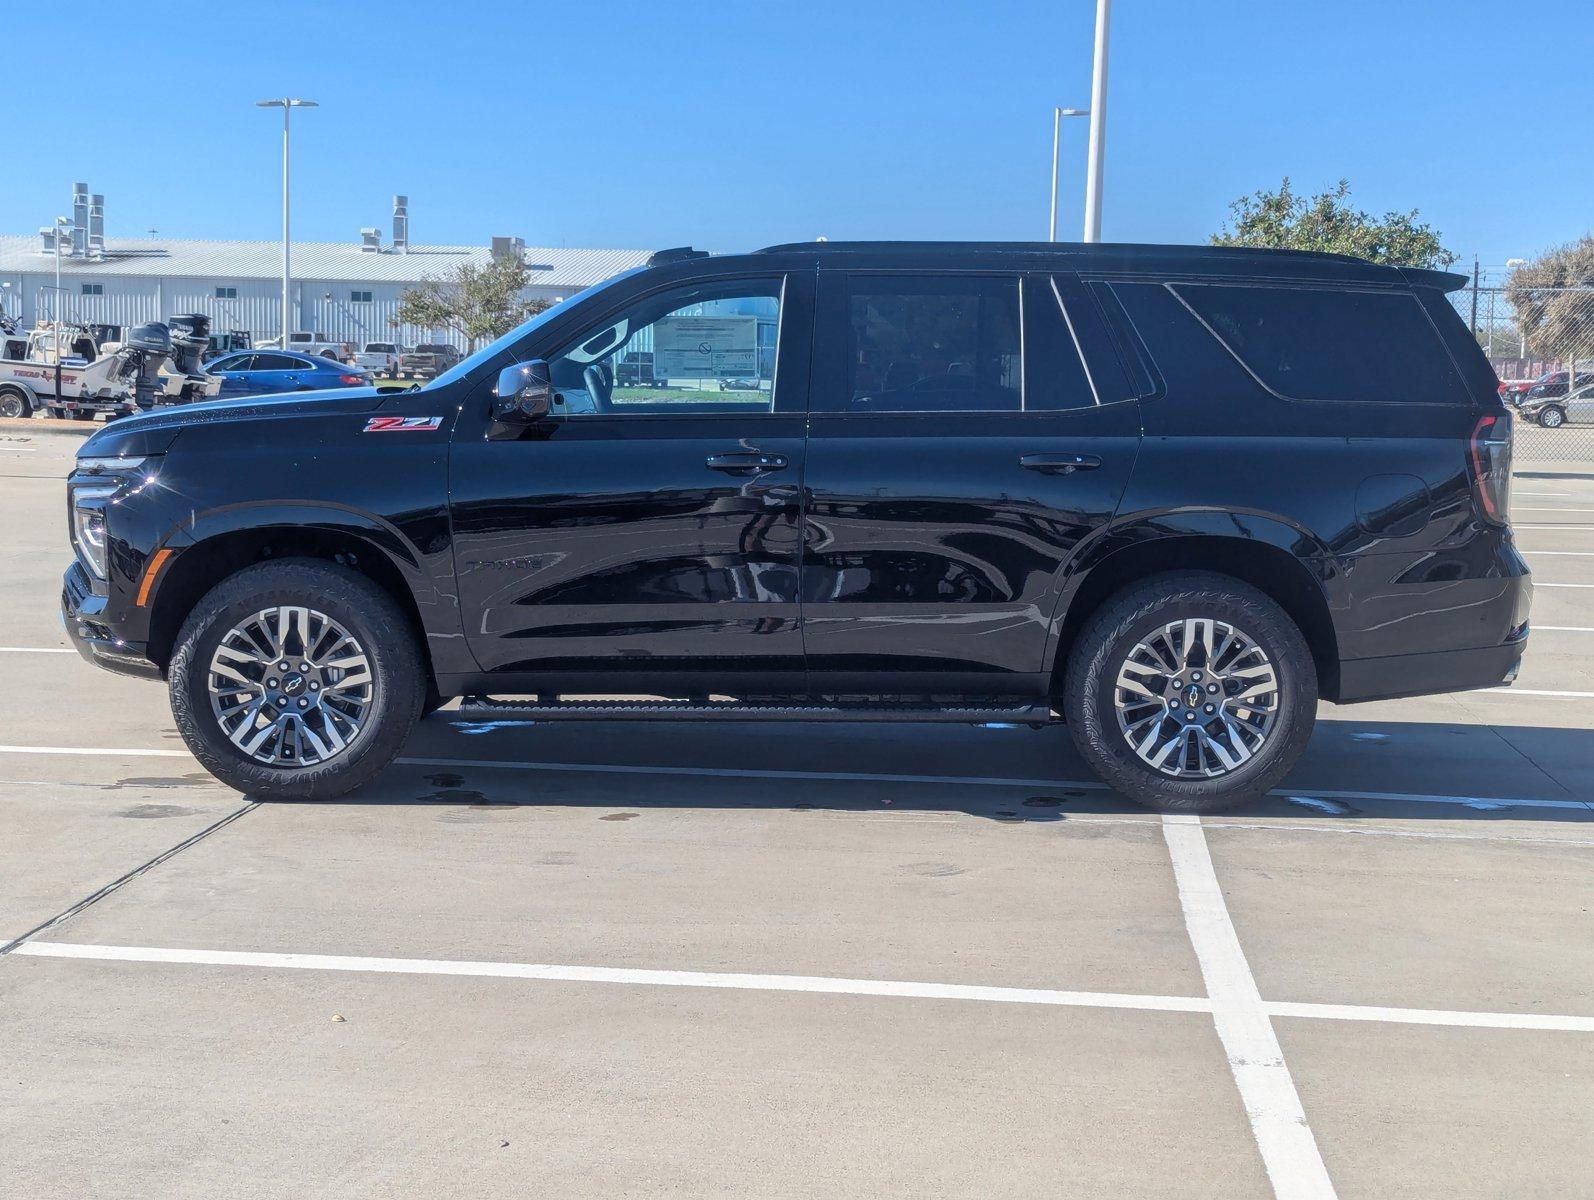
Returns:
(1554, 411)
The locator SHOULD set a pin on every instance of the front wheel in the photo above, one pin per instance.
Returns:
(1191, 692)
(14, 402)
(1552, 418)
(296, 680)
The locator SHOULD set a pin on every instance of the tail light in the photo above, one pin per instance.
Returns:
(351, 380)
(1489, 457)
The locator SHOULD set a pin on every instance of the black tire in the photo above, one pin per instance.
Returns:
(1105, 644)
(58, 413)
(1551, 417)
(365, 611)
(14, 402)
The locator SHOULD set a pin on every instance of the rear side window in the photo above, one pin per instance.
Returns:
(1306, 343)
(933, 344)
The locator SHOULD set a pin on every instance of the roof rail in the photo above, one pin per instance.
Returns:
(676, 254)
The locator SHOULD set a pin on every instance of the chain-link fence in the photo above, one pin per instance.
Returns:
(1540, 341)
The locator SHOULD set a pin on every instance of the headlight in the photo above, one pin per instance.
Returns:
(88, 523)
(124, 462)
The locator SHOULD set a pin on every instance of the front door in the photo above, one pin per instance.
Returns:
(646, 539)
(959, 452)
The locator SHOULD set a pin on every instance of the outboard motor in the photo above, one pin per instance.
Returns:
(186, 380)
(140, 360)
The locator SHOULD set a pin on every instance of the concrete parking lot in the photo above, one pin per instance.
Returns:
(586, 960)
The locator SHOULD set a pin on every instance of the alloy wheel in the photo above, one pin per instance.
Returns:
(290, 687)
(1196, 698)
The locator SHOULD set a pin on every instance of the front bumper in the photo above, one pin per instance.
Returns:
(83, 615)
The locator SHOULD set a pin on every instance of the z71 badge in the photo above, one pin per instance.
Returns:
(401, 424)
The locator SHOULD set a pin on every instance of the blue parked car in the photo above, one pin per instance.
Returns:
(257, 372)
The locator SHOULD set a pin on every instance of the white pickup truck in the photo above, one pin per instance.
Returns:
(380, 358)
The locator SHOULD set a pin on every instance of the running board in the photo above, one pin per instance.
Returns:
(490, 708)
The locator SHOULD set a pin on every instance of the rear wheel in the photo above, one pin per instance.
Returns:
(1552, 417)
(1191, 692)
(296, 680)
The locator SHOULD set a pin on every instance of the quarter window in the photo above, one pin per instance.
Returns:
(932, 344)
(705, 348)
(1306, 343)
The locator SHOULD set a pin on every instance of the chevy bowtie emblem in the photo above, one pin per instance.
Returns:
(401, 424)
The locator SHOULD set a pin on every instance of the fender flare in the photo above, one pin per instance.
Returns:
(1241, 526)
(263, 515)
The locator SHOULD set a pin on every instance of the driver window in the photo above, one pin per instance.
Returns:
(703, 348)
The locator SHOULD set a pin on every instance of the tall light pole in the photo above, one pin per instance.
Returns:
(60, 227)
(1057, 131)
(1098, 124)
(287, 104)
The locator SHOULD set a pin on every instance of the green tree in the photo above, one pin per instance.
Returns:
(1553, 298)
(1284, 220)
(477, 301)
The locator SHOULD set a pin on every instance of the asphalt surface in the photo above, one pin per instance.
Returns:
(701, 960)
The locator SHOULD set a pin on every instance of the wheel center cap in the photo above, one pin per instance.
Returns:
(293, 685)
(1192, 695)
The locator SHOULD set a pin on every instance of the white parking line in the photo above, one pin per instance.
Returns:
(1537, 584)
(37, 650)
(1289, 1151)
(1556, 508)
(1516, 691)
(818, 984)
(627, 975)
(1558, 553)
(1539, 525)
(1428, 1016)
(95, 751)
(1563, 629)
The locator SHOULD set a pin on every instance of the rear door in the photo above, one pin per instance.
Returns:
(959, 452)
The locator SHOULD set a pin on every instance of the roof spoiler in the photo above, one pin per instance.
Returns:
(1444, 281)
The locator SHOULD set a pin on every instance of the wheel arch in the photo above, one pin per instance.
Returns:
(30, 398)
(1293, 582)
(225, 544)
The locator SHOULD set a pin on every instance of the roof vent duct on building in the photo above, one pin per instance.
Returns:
(509, 247)
(80, 219)
(97, 226)
(371, 240)
(401, 224)
(47, 239)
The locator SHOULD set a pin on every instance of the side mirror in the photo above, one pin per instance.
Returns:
(524, 393)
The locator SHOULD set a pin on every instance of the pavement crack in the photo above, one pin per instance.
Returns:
(116, 884)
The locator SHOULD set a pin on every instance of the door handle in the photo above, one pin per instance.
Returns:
(752, 462)
(1059, 464)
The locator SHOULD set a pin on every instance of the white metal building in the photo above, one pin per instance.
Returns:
(347, 291)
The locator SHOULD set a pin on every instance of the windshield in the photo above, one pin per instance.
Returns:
(508, 341)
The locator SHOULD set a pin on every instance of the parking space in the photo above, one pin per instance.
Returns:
(586, 960)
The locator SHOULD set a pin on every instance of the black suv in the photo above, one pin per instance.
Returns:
(1172, 496)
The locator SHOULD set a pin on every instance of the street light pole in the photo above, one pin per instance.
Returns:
(1057, 129)
(1098, 124)
(287, 104)
(60, 224)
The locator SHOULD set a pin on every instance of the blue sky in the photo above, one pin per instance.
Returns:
(731, 125)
